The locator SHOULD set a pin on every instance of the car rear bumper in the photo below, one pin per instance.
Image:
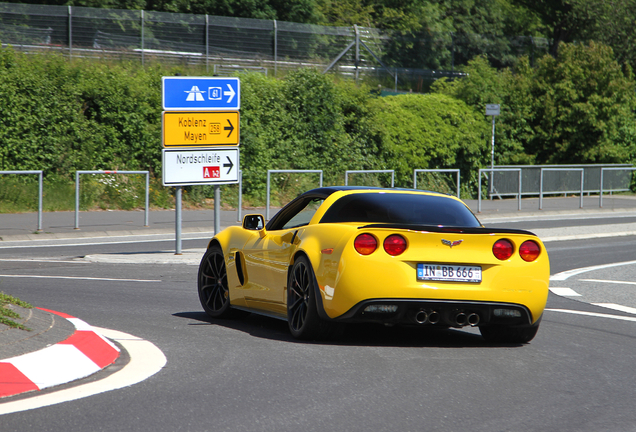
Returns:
(438, 312)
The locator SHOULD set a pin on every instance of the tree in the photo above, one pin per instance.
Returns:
(583, 107)
(485, 85)
(415, 131)
(577, 108)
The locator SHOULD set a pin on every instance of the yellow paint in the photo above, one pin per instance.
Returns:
(200, 129)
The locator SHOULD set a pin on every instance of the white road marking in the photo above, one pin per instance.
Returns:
(568, 274)
(145, 361)
(593, 314)
(21, 244)
(546, 239)
(569, 292)
(618, 307)
(608, 281)
(80, 278)
(42, 260)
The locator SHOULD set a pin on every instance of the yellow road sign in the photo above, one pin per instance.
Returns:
(200, 129)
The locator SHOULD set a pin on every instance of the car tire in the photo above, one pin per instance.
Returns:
(212, 284)
(302, 313)
(507, 334)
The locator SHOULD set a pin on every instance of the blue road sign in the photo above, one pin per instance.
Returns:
(201, 93)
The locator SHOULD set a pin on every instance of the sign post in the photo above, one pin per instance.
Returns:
(492, 110)
(200, 120)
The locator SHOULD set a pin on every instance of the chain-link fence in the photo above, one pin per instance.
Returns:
(227, 44)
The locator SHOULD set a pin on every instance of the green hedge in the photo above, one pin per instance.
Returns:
(61, 116)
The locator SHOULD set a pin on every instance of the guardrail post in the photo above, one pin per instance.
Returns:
(520, 189)
(240, 196)
(600, 190)
(77, 173)
(147, 198)
(40, 193)
(267, 199)
(582, 181)
(541, 191)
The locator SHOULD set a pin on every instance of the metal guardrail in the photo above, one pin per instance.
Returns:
(601, 186)
(40, 181)
(492, 171)
(558, 183)
(77, 183)
(581, 170)
(285, 171)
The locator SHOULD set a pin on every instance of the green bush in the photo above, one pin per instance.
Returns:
(427, 131)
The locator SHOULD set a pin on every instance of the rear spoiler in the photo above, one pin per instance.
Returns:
(448, 229)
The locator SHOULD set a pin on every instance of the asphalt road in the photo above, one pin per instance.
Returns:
(250, 375)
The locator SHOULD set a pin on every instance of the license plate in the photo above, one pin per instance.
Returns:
(448, 272)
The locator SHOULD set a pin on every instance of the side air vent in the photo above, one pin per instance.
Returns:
(239, 268)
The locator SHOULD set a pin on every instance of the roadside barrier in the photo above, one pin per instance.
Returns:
(77, 187)
(40, 182)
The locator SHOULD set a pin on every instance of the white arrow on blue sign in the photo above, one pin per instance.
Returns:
(201, 93)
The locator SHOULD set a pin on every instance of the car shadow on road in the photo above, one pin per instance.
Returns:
(364, 334)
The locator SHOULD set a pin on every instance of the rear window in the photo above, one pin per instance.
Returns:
(394, 208)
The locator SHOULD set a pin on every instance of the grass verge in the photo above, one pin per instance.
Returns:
(7, 316)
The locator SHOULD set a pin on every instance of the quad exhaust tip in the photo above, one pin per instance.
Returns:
(466, 318)
(460, 319)
(423, 317)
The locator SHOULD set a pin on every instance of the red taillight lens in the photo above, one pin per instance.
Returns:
(394, 244)
(503, 249)
(365, 244)
(529, 251)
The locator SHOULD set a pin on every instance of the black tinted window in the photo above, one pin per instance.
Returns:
(400, 209)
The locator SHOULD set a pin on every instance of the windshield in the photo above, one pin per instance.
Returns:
(412, 209)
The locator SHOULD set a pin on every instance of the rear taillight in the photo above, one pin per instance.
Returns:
(365, 244)
(394, 244)
(529, 250)
(503, 249)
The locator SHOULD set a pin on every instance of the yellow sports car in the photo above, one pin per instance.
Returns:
(353, 254)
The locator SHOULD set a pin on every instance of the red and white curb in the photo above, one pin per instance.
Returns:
(82, 354)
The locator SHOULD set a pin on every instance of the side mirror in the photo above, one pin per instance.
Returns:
(253, 222)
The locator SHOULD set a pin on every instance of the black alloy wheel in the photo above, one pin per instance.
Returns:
(302, 315)
(212, 283)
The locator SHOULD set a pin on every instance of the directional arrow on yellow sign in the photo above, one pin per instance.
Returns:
(200, 129)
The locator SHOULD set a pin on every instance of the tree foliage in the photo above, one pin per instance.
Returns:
(427, 131)
(578, 108)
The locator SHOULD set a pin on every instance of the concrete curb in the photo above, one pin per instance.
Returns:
(82, 354)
